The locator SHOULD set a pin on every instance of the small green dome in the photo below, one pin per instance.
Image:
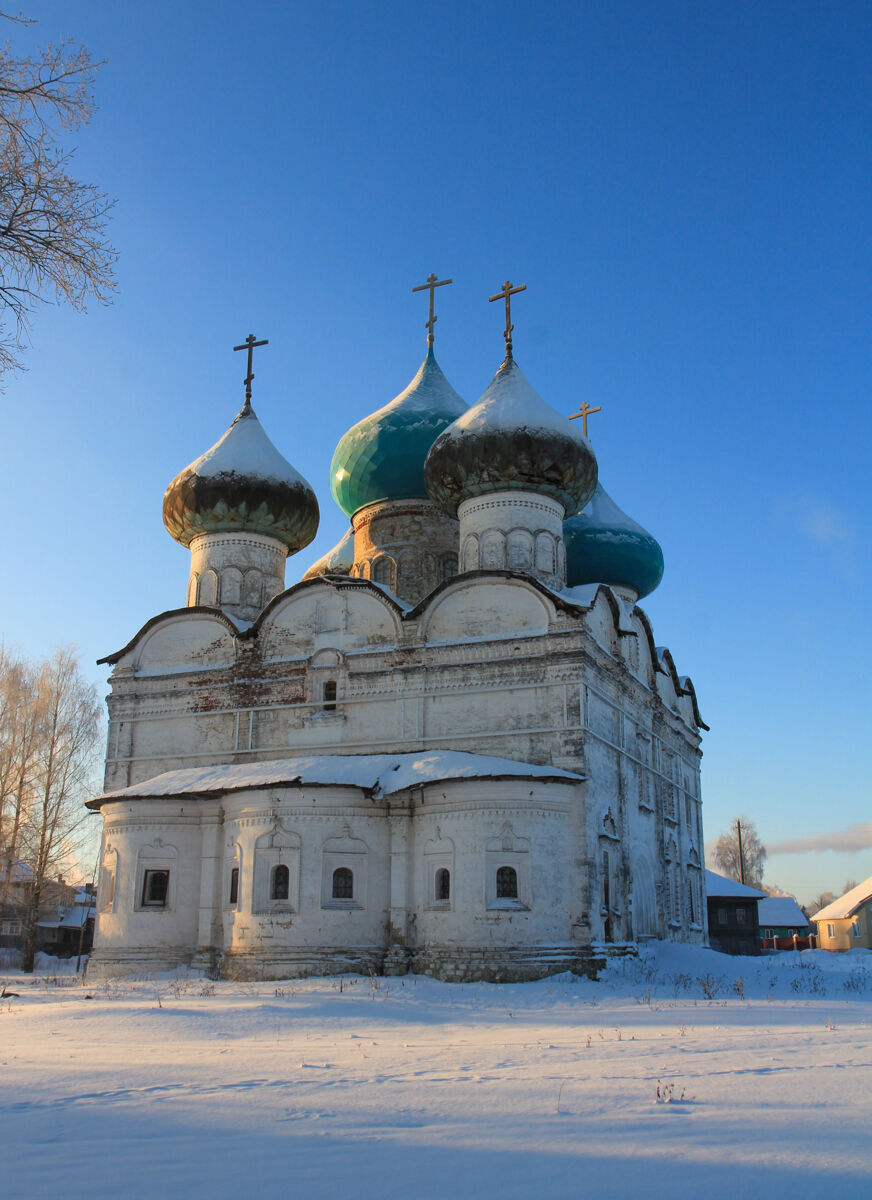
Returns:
(382, 456)
(604, 545)
(337, 561)
(242, 484)
(511, 440)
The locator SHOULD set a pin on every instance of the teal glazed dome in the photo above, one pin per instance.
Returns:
(242, 483)
(511, 440)
(382, 456)
(604, 545)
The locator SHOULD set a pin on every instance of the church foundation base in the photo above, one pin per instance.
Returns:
(138, 961)
(512, 964)
(291, 963)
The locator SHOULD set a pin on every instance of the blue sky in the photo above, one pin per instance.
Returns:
(685, 190)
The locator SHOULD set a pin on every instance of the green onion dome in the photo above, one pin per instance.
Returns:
(382, 456)
(337, 561)
(242, 483)
(511, 440)
(604, 545)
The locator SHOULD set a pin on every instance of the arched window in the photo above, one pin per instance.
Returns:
(328, 693)
(343, 884)
(281, 880)
(449, 566)
(234, 885)
(382, 571)
(507, 883)
(443, 884)
(155, 887)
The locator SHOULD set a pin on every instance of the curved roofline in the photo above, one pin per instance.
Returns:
(331, 579)
(683, 684)
(202, 609)
(492, 573)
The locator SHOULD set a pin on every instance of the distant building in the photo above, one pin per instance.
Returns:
(67, 927)
(781, 920)
(846, 924)
(64, 910)
(732, 915)
(13, 903)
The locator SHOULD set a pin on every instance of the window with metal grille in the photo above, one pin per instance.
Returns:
(155, 887)
(281, 879)
(343, 884)
(443, 884)
(507, 883)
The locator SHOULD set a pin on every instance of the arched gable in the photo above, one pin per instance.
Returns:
(351, 617)
(485, 606)
(185, 639)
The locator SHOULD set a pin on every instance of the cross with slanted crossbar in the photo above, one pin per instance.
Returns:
(507, 291)
(433, 281)
(584, 412)
(249, 344)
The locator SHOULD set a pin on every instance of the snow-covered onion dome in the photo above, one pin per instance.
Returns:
(604, 545)
(511, 440)
(512, 468)
(241, 508)
(337, 561)
(382, 457)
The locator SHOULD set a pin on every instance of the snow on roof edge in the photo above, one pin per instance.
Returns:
(846, 905)
(382, 774)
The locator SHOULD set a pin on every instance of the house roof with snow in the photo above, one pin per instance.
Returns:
(379, 774)
(720, 887)
(846, 905)
(781, 910)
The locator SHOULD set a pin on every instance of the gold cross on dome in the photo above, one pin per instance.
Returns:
(432, 283)
(506, 291)
(249, 344)
(584, 412)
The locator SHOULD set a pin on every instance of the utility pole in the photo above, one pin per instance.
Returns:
(741, 853)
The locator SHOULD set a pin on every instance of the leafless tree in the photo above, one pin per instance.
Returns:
(53, 239)
(19, 726)
(821, 900)
(740, 854)
(69, 728)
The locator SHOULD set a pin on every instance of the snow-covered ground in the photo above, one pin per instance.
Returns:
(682, 1073)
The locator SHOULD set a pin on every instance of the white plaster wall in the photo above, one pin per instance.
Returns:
(317, 817)
(514, 530)
(160, 832)
(533, 819)
(239, 572)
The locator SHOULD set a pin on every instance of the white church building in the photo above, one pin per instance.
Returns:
(453, 746)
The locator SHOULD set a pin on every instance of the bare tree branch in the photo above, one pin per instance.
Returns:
(53, 228)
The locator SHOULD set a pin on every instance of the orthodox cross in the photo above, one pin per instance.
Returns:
(507, 291)
(432, 283)
(249, 344)
(584, 412)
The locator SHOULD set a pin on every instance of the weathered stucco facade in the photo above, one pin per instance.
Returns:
(432, 753)
(492, 665)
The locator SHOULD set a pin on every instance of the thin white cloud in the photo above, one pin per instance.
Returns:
(846, 841)
(821, 522)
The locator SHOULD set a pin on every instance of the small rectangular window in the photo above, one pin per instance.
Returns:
(234, 885)
(741, 916)
(723, 917)
(831, 931)
(329, 695)
(155, 887)
(855, 930)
